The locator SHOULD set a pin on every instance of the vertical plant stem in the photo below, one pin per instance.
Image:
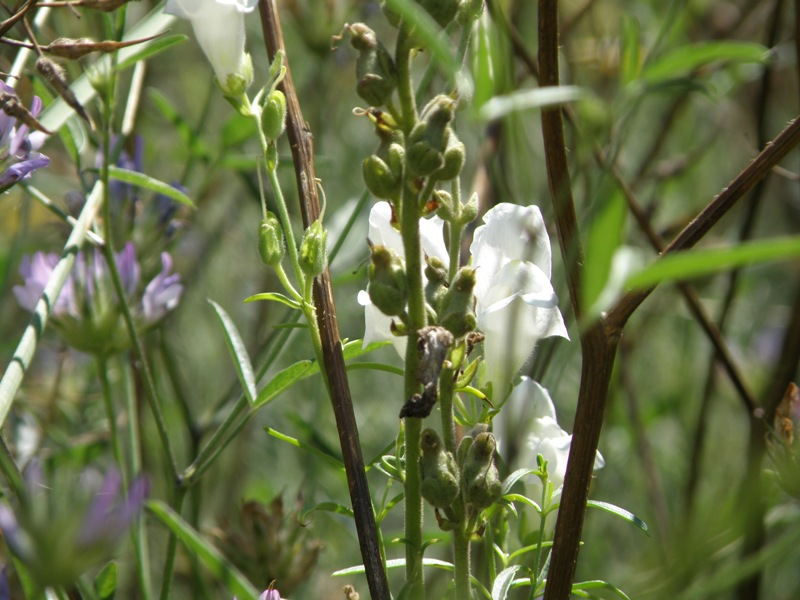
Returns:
(409, 226)
(108, 403)
(139, 532)
(325, 313)
(172, 548)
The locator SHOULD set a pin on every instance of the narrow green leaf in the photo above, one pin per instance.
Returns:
(514, 477)
(482, 62)
(274, 297)
(284, 380)
(502, 583)
(227, 574)
(620, 512)
(329, 458)
(697, 263)
(238, 351)
(537, 98)
(605, 236)
(149, 49)
(145, 181)
(355, 348)
(333, 507)
(375, 366)
(630, 57)
(683, 60)
(105, 584)
(598, 585)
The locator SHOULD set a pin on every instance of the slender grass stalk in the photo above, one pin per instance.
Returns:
(139, 532)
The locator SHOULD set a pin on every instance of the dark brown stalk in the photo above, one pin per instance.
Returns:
(599, 342)
(300, 140)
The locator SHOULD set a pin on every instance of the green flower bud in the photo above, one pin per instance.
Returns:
(454, 156)
(236, 83)
(270, 240)
(479, 477)
(436, 288)
(383, 171)
(457, 308)
(273, 115)
(438, 471)
(313, 249)
(428, 140)
(469, 211)
(388, 286)
(375, 71)
(442, 11)
(444, 202)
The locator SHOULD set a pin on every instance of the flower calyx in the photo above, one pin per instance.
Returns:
(313, 250)
(270, 240)
(457, 311)
(375, 70)
(428, 140)
(388, 286)
(480, 480)
(438, 471)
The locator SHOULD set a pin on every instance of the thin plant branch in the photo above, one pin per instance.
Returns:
(334, 366)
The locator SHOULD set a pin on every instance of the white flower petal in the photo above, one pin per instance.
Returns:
(377, 326)
(511, 232)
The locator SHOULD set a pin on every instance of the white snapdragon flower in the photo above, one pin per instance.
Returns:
(219, 28)
(515, 301)
(545, 437)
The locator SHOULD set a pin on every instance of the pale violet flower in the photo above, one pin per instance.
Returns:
(86, 312)
(545, 437)
(219, 28)
(18, 145)
(515, 302)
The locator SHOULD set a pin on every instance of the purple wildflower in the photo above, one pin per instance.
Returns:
(163, 293)
(86, 312)
(18, 156)
(42, 532)
(270, 594)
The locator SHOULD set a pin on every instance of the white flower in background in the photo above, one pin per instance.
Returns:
(545, 437)
(515, 302)
(219, 28)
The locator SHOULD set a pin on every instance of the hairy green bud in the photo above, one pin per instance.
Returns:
(388, 285)
(375, 70)
(436, 288)
(438, 471)
(273, 115)
(454, 156)
(313, 249)
(480, 479)
(428, 140)
(457, 312)
(383, 171)
(270, 240)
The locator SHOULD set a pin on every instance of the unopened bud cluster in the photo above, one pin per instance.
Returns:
(472, 474)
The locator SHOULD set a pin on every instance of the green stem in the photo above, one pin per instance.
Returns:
(461, 561)
(108, 402)
(172, 548)
(283, 215)
(416, 321)
(456, 229)
(139, 532)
